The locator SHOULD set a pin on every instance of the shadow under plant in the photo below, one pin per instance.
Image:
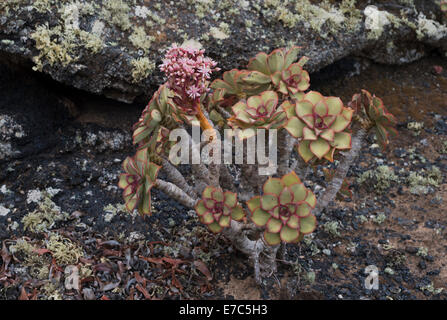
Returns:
(59, 206)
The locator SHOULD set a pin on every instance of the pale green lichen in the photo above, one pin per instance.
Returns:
(37, 264)
(331, 227)
(415, 127)
(51, 291)
(424, 181)
(389, 271)
(334, 19)
(111, 211)
(422, 252)
(141, 40)
(443, 147)
(116, 12)
(222, 32)
(141, 68)
(58, 45)
(431, 288)
(382, 178)
(45, 217)
(375, 22)
(63, 250)
(380, 218)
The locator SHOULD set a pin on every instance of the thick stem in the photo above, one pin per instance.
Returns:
(341, 172)
(262, 255)
(285, 146)
(301, 168)
(177, 178)
(206, 124)
(175, 193)
(226, 179)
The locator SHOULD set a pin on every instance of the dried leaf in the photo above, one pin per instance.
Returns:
(110, 286)
(143, 291)
(201, 266)
(23, 294)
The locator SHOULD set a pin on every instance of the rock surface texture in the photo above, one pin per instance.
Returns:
(113, 47)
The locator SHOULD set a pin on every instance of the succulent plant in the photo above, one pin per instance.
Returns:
(137, 181)
(279, 69)
(235, 88)
(217, 208)
(258, 112)
(284, 209)
(376, 116)
(160, 112)
(320, 123)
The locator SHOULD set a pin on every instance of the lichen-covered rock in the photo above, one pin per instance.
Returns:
(113, 47)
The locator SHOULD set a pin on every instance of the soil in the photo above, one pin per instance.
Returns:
(75, 142)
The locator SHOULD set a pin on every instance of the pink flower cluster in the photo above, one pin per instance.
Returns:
(188, 72)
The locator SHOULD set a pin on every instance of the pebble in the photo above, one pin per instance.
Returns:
(411, 250)
(434, 272)
(422, 265)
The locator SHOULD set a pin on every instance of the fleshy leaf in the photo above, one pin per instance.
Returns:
(260, 217)
(237, 213)
(273, 185)
(273, 225)
(215, 227)
(200, 208)
(304, 151)
(269, 201)
(308, 224)
(230, 199)
(319, 148)
(272, 238)
(254, 203)
(290, 179)
(295, 127)
(342, 140)
(288, 234)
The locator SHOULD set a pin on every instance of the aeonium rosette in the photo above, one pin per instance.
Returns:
(320, 123)
(156, 118)
(217, 208)
(376, 114)
(279, 68)
(258, 112)
(137, 181)
(284, 209)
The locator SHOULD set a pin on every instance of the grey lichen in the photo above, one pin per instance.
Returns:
(116, 12)
(45, 217)
(381, 178)
(140, 39)
(331, 227)
(37, 264)
(424, 181)
(60, 45)
(63, 250)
